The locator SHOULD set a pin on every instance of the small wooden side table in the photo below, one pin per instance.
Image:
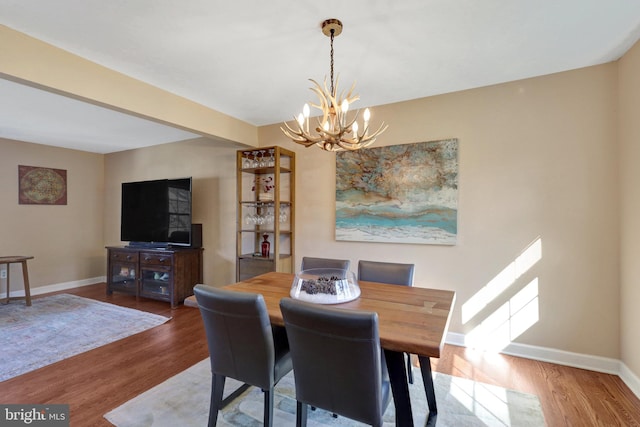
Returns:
(7, 260)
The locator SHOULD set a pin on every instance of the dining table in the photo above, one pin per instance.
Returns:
(411, 319)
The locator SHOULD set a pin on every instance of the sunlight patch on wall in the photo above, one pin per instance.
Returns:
(508, 322)
(502, 281)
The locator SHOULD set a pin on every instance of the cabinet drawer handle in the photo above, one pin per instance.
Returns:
(128, 257)
(147, 258)
(161, 259)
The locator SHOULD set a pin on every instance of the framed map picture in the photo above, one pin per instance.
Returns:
(404, 193)
(41, 186)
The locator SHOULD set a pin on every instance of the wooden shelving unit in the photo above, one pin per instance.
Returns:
(266, 207)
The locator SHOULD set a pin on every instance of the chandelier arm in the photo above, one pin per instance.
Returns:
(355, 117)
(381, 129)
(350, 93)
(324, 102)
(295, 135)
(326, 88)
(353, 99)
(299, 135)
(294, 138)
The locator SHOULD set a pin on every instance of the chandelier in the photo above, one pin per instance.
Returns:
(335, 131)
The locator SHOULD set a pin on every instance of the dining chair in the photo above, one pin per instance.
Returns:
(391, 273)
(338, 362)
(242, 345)
(311, 262)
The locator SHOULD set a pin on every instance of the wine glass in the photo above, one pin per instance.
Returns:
(270, 216)
(272, 160)
(254, 161)
(247, 218)
(246, 163)
(263, 161)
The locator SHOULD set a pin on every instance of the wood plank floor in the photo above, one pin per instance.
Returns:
(97, 381)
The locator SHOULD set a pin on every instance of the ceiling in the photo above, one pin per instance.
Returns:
(252, 59)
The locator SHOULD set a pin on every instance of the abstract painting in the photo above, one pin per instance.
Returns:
(404, 193)
(41, 186)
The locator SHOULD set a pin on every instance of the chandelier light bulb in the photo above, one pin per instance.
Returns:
(344, 107)
(354, 129)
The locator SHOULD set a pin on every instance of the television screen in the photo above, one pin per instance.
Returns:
(156, 213)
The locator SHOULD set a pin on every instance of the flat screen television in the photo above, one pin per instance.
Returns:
(156, 213)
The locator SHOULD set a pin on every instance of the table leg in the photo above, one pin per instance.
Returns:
(25, 276)
(427, 379)
(399, 387)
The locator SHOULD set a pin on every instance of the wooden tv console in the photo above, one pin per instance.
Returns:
(161, 274)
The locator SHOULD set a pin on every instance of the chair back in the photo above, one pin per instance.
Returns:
(386, 272)
(311, 262)
(239, 335)
(338, 363)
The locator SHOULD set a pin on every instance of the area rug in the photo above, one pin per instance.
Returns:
(183, 400)
(61, 326)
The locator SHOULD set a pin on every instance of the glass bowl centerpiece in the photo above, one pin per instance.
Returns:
(325, 286)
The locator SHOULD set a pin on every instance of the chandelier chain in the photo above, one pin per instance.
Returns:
(332, 90)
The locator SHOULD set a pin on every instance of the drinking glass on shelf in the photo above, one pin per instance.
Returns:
(259, 216)
(283, 214)
(249, 218)
(272, 160)
(246, 163)
(263, 161)
(270, 216)
(255, 163)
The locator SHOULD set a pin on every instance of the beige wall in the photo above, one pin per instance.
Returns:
(629, 107)
(537, 160)
(212, 167)
(66, 241)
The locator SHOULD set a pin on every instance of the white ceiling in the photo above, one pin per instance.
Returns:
(251, 59)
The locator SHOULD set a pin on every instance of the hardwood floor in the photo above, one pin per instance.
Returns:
(99, 380)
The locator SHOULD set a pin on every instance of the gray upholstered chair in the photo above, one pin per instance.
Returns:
(242, 345)
(311, 262)
(338, 363)
(392, 273)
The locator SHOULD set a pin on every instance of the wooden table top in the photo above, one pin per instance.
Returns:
(411, 319)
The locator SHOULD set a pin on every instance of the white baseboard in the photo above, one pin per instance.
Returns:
(566, 358)
(630, 379)
(60, 286)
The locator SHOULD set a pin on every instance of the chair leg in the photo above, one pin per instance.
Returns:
(301, 414)
(409, 370)
(217, 388)
(268, 407)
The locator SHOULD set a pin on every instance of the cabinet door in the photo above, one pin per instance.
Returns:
(156, 275)
(122, 277)
(156, 282)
